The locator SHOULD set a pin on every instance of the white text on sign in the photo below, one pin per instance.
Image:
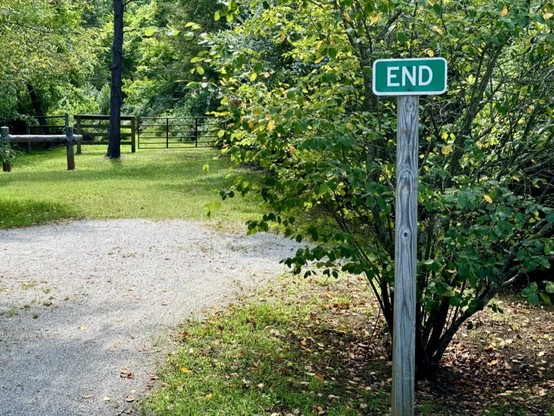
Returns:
(411, 76)
(406, 76)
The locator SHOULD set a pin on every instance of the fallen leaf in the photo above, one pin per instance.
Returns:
(126, 373)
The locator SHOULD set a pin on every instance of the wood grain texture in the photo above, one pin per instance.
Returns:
(405, 257)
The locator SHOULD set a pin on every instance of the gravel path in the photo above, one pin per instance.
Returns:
(87, 308)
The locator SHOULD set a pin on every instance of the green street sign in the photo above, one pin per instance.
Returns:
(414, 76)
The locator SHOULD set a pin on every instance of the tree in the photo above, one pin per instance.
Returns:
(297, 83)
(116, 98)
(161, 44)
(48, 55)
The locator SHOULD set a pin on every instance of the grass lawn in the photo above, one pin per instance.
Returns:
(147, 184)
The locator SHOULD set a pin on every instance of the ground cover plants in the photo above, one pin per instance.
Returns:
(320, 347)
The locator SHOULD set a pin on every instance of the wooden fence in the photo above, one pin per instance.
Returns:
(141, 132)
(95, 130)
(69, 139)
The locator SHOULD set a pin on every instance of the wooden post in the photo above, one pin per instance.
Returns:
(78, 130)
(403, 368)
(69, 146)
(4, 135)
(133, 134)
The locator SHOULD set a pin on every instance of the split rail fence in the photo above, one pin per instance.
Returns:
(68, 138)
(136, 132)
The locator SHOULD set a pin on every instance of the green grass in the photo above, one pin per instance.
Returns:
(272, 355)
(157, 184)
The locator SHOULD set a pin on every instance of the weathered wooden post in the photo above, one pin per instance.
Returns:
(4, 136)
(69, 146)
(79, 132)
(134, 124)
(403, 365)
(407, 79)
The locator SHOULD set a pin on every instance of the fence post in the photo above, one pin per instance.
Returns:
(195, 131)
(78, 131)
(5, 136)
(133, 134)
(69, 146)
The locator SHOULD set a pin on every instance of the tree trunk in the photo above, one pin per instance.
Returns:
(114, 145)
(37, 107)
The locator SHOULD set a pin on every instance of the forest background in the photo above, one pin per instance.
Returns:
(58, 57)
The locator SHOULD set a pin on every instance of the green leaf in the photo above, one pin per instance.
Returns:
(150, 31)
(533, 299)
(545, 298)
(527, 292)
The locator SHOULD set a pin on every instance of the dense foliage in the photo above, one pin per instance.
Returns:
(296, 79)
(46, 58)
(60, 56)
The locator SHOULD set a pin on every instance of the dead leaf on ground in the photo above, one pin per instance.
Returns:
(126, 373)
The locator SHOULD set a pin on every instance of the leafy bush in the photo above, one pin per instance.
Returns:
(296, 78)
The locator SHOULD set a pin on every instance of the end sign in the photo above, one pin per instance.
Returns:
(425, 76)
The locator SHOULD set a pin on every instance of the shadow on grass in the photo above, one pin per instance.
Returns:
(23, 213)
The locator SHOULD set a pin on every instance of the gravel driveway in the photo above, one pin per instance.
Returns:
(87, 308)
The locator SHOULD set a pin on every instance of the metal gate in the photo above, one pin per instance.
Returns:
(174, 132)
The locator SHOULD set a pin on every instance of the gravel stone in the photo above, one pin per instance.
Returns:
(87, 308)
